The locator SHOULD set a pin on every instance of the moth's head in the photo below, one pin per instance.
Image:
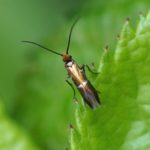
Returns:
(67, 57)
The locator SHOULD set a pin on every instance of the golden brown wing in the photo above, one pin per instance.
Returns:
(76, 74)
(85, 88)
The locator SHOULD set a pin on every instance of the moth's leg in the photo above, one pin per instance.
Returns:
(89, 69)
(74, 92)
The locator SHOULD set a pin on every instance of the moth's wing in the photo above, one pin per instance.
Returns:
(90, 95)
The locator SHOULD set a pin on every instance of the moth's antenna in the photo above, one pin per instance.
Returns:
(43, 47)
(70, 33)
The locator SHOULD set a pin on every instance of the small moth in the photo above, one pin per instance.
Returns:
(77, 74)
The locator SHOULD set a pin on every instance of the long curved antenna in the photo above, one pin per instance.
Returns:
(43, 47)
(70, 34)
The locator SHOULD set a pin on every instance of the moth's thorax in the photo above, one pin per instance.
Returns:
(69, 64)
(72, 67)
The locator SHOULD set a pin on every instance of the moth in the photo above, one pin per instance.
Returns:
(77, 74)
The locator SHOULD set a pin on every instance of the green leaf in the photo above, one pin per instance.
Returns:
(122, 121)
(11, 137)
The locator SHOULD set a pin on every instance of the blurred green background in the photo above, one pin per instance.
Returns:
(36, 104)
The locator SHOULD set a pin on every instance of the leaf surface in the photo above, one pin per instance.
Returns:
(122, 121)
